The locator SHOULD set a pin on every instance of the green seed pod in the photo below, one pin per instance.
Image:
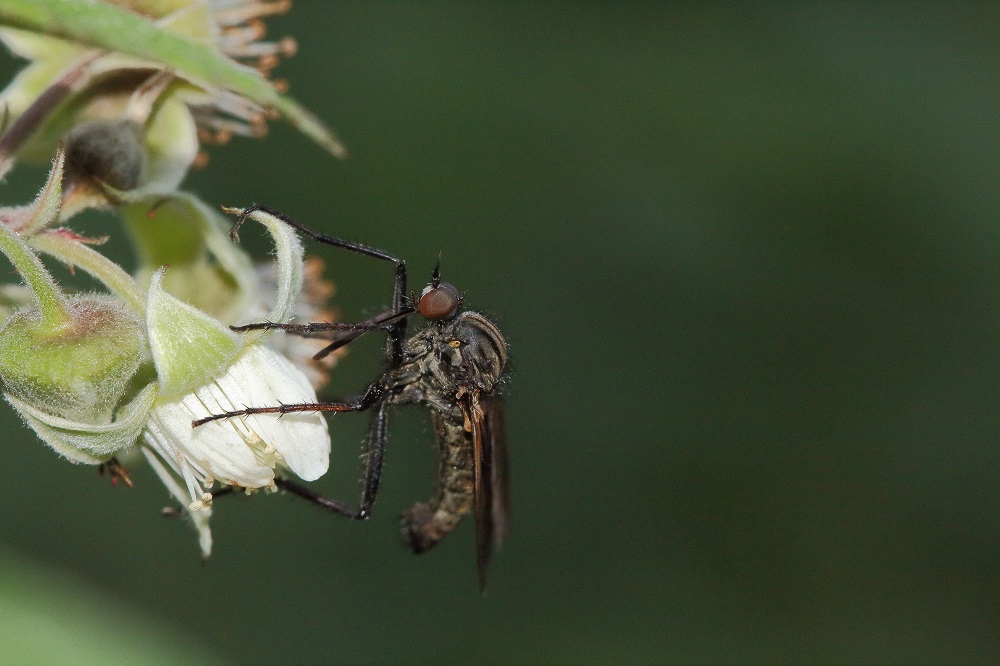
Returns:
(112, 152)
(79, 371)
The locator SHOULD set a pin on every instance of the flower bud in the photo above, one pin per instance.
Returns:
(111, 152)
(79, 371)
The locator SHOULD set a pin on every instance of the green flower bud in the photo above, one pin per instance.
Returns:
(79, 371)
(111, 152)
(66, 362)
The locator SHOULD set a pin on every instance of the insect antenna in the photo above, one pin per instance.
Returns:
(436, 273)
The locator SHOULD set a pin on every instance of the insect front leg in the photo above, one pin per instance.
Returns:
(399, 303)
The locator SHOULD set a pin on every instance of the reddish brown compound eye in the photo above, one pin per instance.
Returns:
(439, 302)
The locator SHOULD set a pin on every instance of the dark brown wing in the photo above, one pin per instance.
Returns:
(500, 506)
(485, 414)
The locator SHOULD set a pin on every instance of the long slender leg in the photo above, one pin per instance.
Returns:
(399, 291)
(340, 334)
(392, 323)
(313, 329)
(374, 457)
(335, 506)
(316, 235)
(399, 288)
(370, 397)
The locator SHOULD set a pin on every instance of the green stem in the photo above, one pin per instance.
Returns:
(69, 249)
(50, 300)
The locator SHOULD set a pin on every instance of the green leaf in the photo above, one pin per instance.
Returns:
(109, 27)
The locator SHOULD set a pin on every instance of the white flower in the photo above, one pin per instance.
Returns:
(203, 368)
(241, 452)
(70, 365)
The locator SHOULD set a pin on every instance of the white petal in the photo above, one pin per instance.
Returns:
(218, 449)
(301, 438)
(243, 451)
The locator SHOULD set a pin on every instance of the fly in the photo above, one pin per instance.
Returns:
(453, 366)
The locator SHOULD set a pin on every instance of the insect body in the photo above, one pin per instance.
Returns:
(454, 367)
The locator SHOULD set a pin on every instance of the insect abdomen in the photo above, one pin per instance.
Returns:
(426, 523)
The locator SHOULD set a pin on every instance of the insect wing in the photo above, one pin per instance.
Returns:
(485, 415)
(500, 498)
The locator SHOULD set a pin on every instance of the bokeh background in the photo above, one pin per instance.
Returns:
(746, 258)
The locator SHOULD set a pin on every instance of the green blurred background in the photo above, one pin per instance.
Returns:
(746, 260)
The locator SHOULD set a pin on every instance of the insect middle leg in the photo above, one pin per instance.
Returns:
(340, 334)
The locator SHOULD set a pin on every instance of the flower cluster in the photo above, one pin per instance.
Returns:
(121, 374)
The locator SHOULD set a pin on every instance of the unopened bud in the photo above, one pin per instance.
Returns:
(79, 371)
(112, 152)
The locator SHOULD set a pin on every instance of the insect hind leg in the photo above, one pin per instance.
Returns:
(372, 395)
(374, 456)
(339, 334)
(332, 505)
